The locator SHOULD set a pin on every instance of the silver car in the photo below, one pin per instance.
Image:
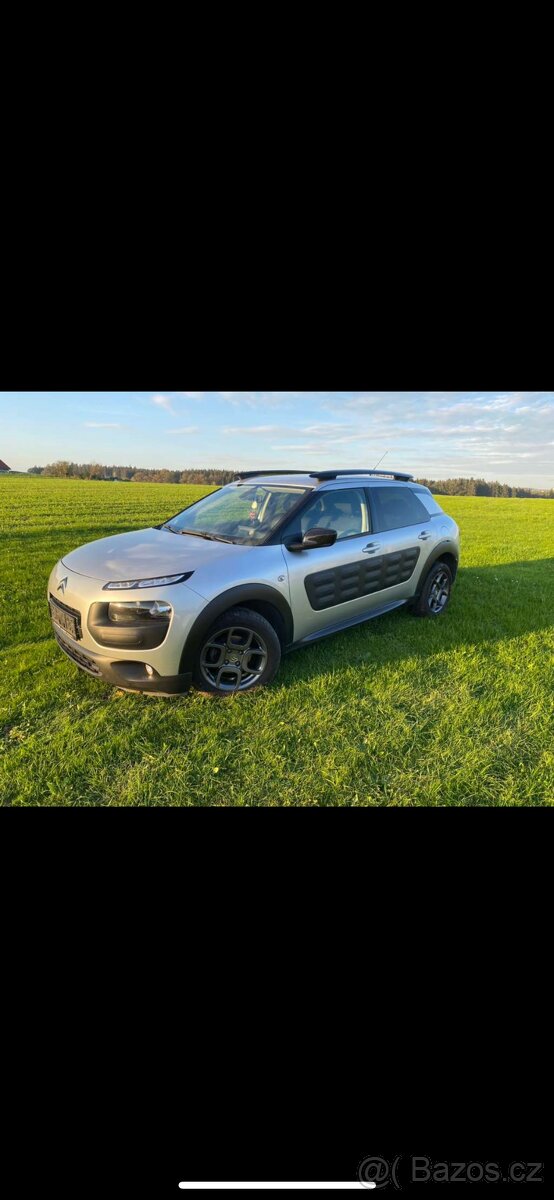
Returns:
(217, 594)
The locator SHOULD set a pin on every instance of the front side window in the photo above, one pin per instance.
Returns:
(345, 511)
(396, 507)
(246, 514)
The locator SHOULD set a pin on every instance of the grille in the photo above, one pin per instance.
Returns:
(77, 656)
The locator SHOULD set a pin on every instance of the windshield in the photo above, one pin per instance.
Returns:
(246, 514)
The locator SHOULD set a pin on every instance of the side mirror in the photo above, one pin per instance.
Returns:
(314, 539)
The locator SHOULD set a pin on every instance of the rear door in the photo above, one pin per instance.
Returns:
(404, 536)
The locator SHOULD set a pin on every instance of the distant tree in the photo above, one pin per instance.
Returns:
(35, 471)
(482, 487)
(58, 470)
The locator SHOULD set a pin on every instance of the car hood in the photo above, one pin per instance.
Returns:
(145, 555)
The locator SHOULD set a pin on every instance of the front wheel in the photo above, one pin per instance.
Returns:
(435, 593)
(242, 651)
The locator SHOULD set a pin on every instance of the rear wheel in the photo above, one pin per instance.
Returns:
(241, 651)
(435, 593)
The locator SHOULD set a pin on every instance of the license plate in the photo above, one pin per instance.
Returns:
(65, 621)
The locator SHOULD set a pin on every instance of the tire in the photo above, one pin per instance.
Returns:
(435, 593)
(240, 652)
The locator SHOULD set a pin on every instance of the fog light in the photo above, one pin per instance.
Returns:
(149, 670)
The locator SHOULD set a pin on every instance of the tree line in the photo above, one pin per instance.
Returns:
(69, 470)
(216, 477)
(483, 487)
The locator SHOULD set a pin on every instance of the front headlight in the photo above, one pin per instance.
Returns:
(128, 613)
(164, 581)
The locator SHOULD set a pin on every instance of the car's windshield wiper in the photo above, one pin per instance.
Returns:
(208, 537)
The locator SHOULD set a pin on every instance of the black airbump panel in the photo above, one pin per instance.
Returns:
(326, 589)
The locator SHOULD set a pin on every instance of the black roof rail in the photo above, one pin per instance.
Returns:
(382, 474)
(254, 474)
(321, 475)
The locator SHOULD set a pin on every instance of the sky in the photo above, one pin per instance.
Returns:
(496, 435)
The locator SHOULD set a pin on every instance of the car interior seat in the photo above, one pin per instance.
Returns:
(343, 515)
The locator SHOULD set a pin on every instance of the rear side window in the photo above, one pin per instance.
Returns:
(396, 507)
(429, 503)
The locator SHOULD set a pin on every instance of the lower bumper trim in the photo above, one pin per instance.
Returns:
(132, 676)
(84, 661)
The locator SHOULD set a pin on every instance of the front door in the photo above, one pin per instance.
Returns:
(326, 584)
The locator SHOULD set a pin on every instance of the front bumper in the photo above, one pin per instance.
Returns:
(122, 666)
(131, 676)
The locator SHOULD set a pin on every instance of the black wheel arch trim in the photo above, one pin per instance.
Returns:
(242, 595)
(446, 547)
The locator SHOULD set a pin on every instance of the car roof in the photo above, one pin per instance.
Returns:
(321, 480)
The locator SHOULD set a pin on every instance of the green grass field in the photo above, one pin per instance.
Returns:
(397, 712)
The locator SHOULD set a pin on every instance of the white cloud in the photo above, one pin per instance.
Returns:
(258, 430)
(163, 402)
(257, 400)
(373, 400)
(329, 430)
(186, 429)
(304, 446)
(102, 425)
(191, 395)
